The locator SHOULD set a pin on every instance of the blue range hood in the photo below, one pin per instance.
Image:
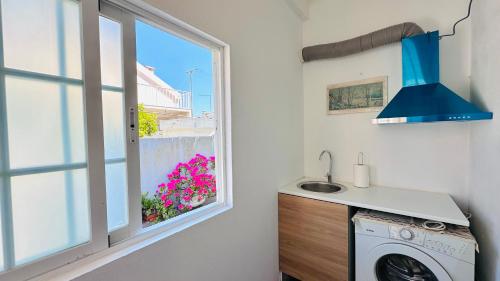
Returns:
(423, 98)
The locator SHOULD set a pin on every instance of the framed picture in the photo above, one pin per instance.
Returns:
(357, 96)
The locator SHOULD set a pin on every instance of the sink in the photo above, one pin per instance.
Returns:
(319, 186)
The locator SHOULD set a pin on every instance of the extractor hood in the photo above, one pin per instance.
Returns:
(423, 98)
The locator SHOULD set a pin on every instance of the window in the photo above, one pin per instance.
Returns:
(44, 164)
(175, 88)
(113, 107)
(90, 156)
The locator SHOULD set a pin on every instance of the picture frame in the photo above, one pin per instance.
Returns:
(367, 95)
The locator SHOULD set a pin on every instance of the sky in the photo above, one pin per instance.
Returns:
(171, 57)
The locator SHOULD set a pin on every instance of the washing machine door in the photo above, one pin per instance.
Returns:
(399, 262)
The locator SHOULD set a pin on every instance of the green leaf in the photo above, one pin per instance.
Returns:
(148, 122)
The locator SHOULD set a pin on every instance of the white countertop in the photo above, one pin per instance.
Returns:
(407, 202)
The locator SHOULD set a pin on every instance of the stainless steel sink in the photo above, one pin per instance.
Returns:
(319, 186)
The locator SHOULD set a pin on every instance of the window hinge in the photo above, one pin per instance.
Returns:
(109, 241)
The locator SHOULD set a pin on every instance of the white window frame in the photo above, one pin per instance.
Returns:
(95, 151)
(103, 249)
(126, 12)
(129, 89)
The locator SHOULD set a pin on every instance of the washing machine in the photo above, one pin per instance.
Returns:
(398, 248)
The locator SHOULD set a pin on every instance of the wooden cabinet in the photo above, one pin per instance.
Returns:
(313, 239)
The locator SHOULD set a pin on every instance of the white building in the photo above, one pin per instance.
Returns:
(159, 97)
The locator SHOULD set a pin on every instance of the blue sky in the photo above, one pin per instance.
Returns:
(172, 57)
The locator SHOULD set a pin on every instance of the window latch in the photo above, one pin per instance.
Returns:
(132, 126)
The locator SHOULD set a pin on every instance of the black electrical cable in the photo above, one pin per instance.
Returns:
(455, 25)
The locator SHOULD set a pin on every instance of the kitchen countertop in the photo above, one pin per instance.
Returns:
(407, 202)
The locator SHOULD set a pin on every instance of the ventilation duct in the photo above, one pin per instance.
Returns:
(362, 43)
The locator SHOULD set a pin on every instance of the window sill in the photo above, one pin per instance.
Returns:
(143, 239)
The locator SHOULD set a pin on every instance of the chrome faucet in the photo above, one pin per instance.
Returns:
(330, 171)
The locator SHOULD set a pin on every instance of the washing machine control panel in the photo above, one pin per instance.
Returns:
(452, 246)
(444, 244)
(407, 234)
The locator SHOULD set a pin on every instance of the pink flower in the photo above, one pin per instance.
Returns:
(191, 179)
(161, 188)
(180, 167)
(172, 185)
(175, 174)
(168, 203)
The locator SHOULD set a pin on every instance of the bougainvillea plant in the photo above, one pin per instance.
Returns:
(154, 210)
(189, 185)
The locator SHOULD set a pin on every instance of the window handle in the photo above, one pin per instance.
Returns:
(132, 126)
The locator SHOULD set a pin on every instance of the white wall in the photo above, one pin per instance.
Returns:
(159, 156)
(485, 137)
(265, 37)
(421, 156)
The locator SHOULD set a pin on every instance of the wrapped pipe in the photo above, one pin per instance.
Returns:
(362, 43)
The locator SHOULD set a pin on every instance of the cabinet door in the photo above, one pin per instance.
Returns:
(313, 239)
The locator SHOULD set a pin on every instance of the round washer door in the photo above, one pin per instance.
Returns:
(393, 261)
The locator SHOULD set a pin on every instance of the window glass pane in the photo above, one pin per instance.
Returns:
(116, 192)
(45, 131)
(114, 123)
(176, 124)
(45, 123)
(111, 52)
(50, 213)
(42, 36)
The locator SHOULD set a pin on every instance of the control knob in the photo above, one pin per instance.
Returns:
(406, 234)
